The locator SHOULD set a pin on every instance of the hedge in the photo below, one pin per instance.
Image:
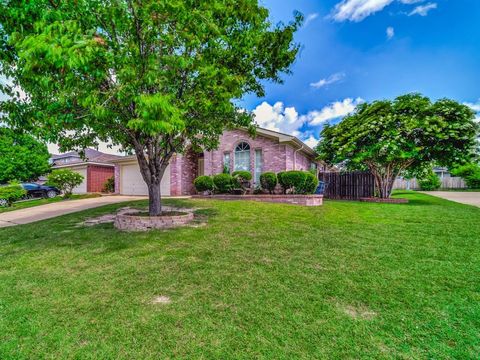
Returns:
(268, 181)
(11, 193)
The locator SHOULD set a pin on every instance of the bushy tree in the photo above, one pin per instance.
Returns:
(389, 137)
(470, 173)
(11, 193)
(65, 180)
(153, 76)
(22, 157)
(430, 181)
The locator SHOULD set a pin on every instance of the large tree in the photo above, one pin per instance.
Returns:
(154, 76)
(22, 157)
(408, 133)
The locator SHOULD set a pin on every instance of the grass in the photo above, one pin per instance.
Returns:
(41, 201)
(259, 280)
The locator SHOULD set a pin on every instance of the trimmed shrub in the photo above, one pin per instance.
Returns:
(470, 173)
(223, 183)
(65, 180)
(430, 182)
(268, 181)
(310, 184)
(203, 184)
(298, 182)
(109, 186)
(242, 175)
(11, 193)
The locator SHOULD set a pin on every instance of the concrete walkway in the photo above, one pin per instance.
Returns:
(48, 211)
(468, 198)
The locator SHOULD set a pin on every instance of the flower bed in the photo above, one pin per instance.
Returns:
(304, 200)
(137, 222)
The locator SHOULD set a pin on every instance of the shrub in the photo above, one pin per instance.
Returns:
(268, 181)
(203, 184)
(310, 184)
(430, 182)
(470, 173)
(298, 182)
(109, 186)
(11, 193)
(65, 180)
(223, 183)
(241, 179)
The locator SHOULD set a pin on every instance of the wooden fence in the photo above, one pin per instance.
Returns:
(349, 186)
(447, 183)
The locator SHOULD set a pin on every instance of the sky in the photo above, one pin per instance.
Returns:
(354, 51)
(363, 50)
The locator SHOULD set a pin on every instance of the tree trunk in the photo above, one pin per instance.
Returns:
(384, 185)
(154, 199)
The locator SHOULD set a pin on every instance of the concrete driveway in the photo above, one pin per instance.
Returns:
(48, 211)
(468, 198)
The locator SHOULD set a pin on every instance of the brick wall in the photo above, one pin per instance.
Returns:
(97, 176)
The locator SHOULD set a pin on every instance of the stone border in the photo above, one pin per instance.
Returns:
(132, 222)
(384, 201)
(304, 200)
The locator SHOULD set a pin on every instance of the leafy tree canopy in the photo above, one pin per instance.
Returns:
(22, 157)
(154, 76)
(408, 133)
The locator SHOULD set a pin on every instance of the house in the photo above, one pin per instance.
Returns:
(96, 168)
(268, 151)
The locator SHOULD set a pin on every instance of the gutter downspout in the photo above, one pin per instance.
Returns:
(295, 157)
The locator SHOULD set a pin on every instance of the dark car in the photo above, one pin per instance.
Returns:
(36, 191)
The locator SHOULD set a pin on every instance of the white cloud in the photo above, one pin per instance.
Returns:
(277, 117)
(330, 80)
(333, 111)
(390, 32)
(357, 10)
(474, 106)
(311, 141)
(423, 10)
(310, 18)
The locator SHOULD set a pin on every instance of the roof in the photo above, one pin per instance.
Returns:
(285, 138)
(91, 156)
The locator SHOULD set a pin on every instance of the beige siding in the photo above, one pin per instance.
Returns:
(132, 183)
(82, 188)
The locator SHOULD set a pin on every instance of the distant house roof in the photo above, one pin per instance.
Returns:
(285, 138)
(91, 156)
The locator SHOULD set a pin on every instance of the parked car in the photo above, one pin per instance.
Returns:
(36, 191)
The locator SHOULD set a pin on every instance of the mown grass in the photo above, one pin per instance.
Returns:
(259, 280)
(41, 201)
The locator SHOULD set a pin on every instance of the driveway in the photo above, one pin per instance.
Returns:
(468, 198)
(48, 211)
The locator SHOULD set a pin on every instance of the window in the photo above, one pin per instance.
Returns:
(313, 166)
(258, 166)
(242, 157)
(226, 162)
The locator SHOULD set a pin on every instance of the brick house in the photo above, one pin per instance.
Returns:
(268, 151)
(96, 168)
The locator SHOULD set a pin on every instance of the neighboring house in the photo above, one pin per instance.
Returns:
(268, 151)
(447, 180)
(95, 167)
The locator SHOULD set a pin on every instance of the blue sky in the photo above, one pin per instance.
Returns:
(363, 50)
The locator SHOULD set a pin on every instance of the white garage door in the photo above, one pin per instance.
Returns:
(82, 188)
(131, 181)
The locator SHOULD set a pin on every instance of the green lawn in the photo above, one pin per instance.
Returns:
(346, 280)
(40, 201)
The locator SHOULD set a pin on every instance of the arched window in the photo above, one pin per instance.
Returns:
(242, 157)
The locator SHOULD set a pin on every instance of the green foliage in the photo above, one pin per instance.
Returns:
(223, 183)
(65, 180)
(22, 157)
(11, 193)
(470, 173)
(109, 186)
(430, 182)
(389, 137)
(242, 175)
(297, 182)
(269, 181)
(151, 76)
(203, 184)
